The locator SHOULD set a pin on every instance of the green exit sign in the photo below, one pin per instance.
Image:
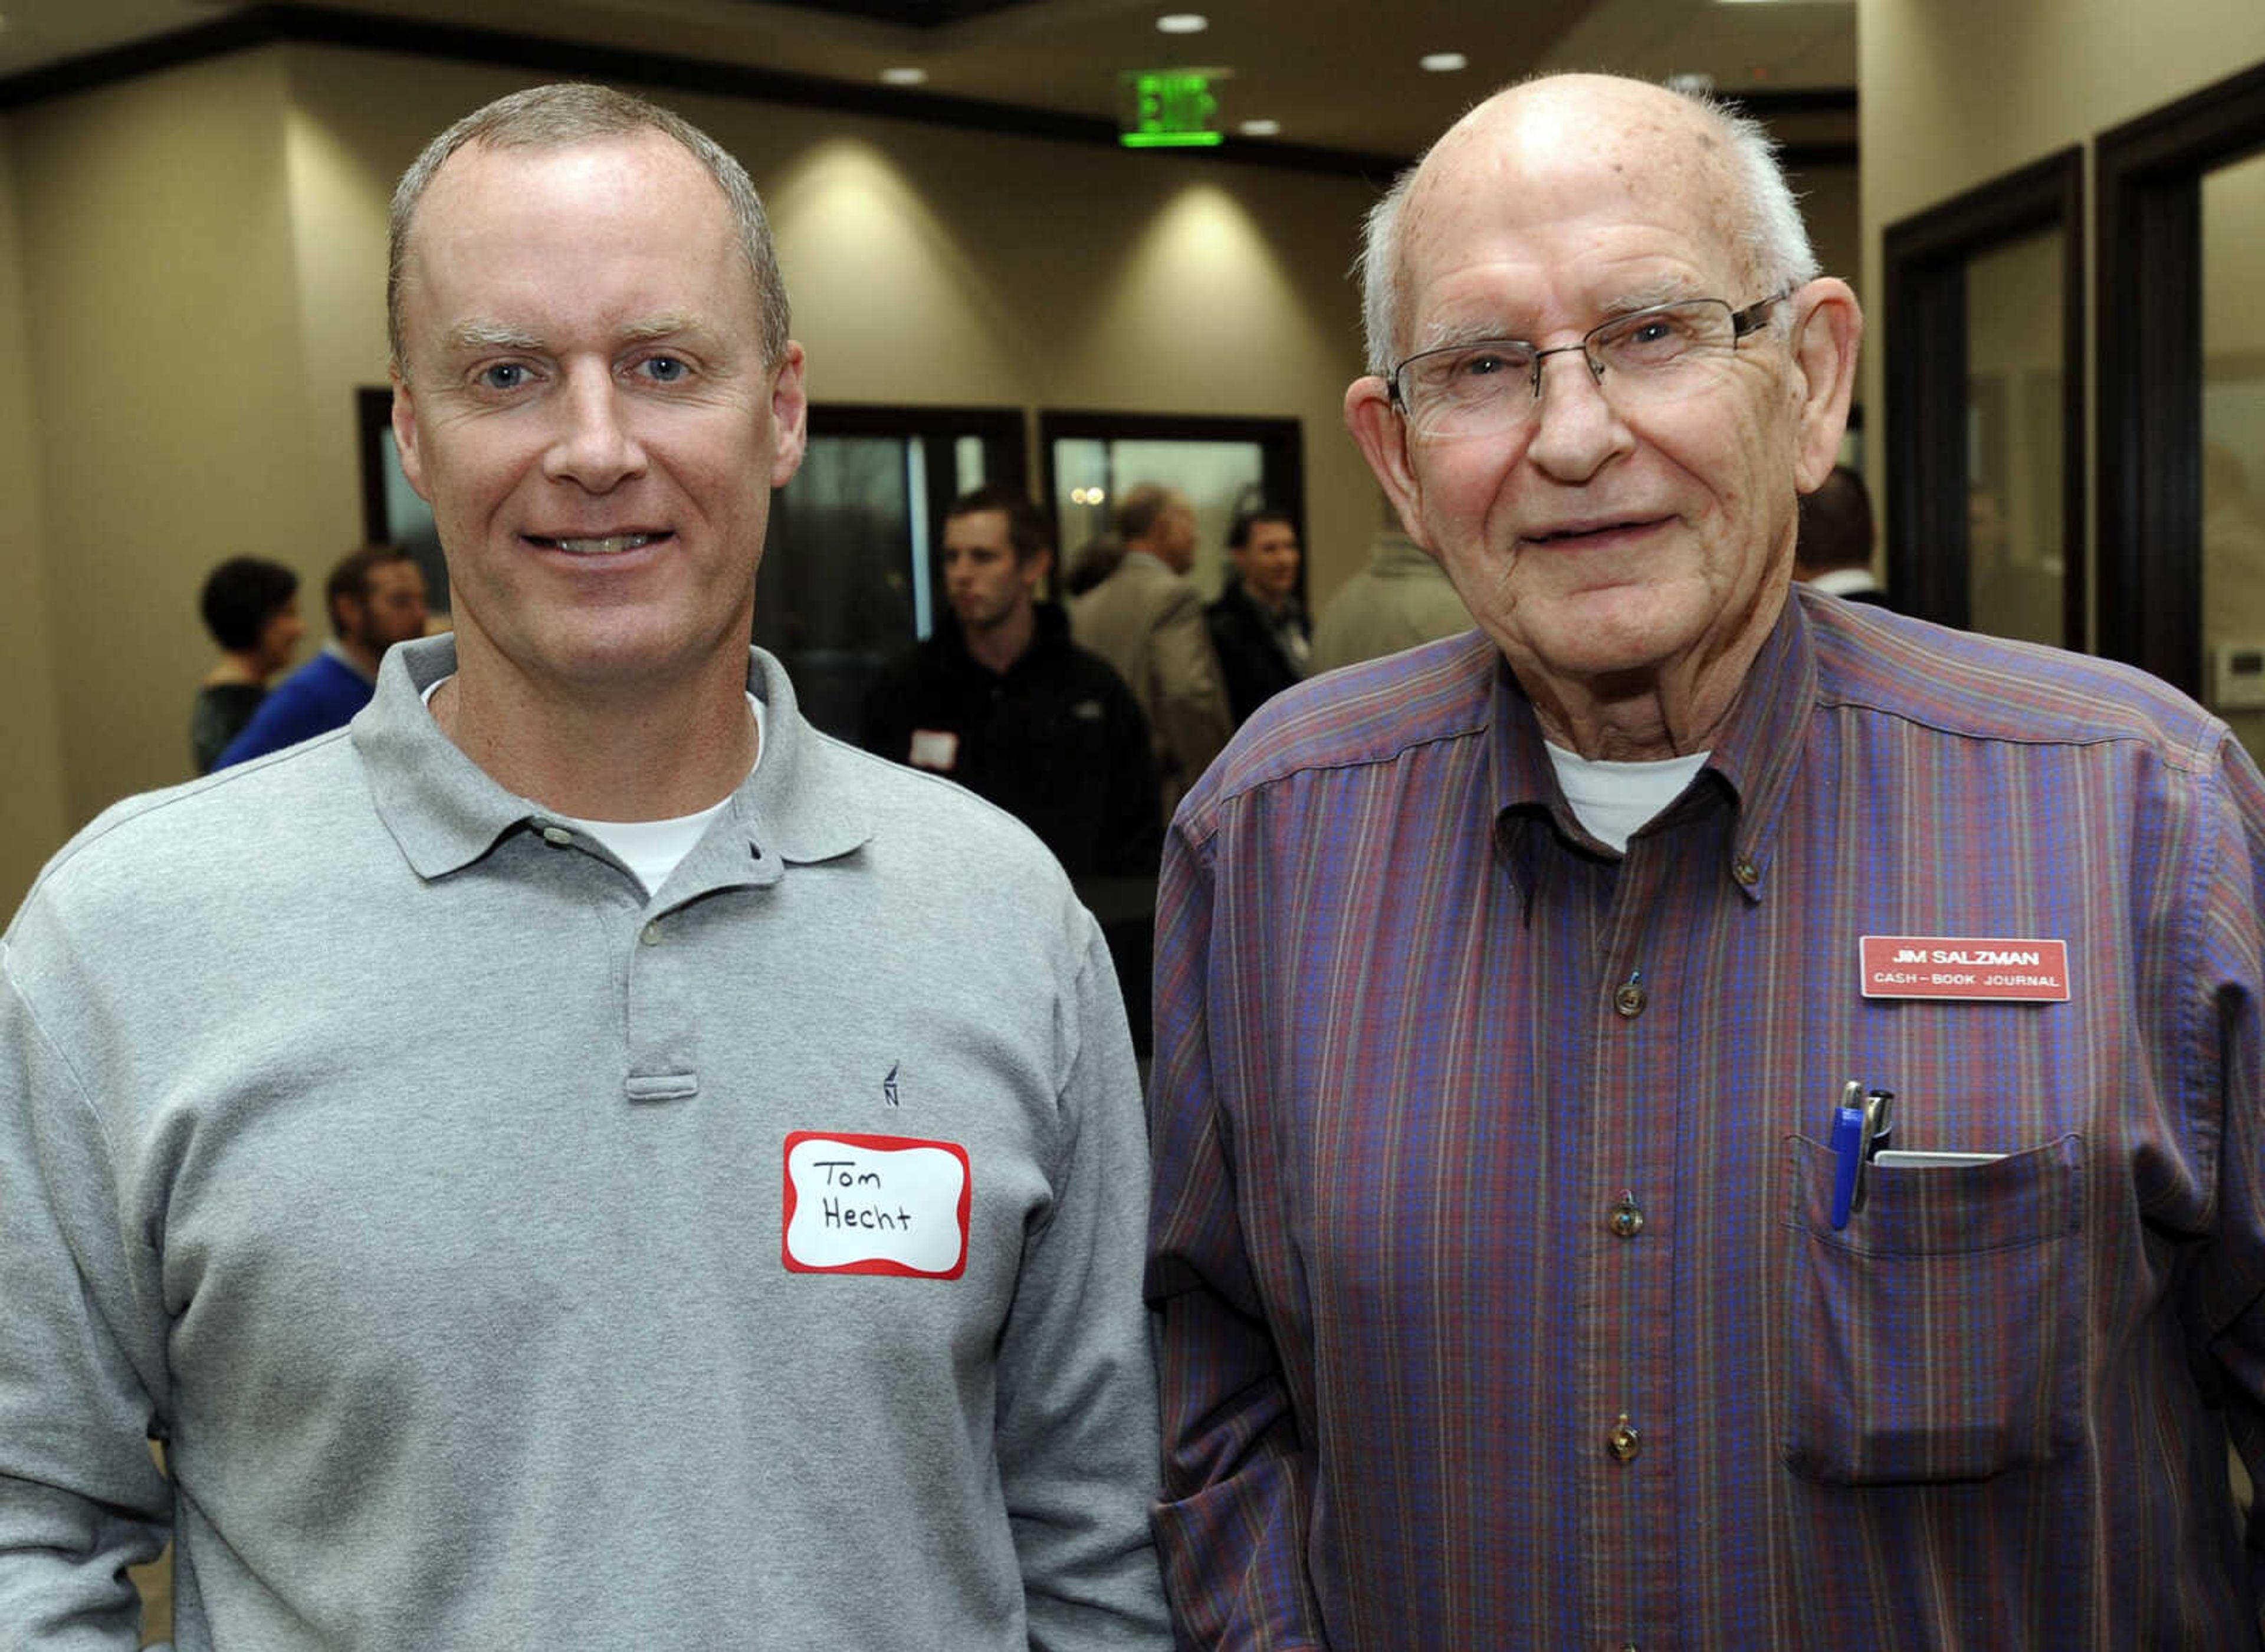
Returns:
(1166, 108)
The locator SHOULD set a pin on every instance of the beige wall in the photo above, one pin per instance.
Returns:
(32, 808)
(167, 373)
(1955, 93)
(210, 283)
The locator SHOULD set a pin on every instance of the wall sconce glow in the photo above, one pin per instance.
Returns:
(1691, 85)
(904, 75)
(1443, 62)
(1183, 23)
(1088, 496)
(1260, 128)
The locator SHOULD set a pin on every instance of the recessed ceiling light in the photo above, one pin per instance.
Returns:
(904, 75)
(1691, 85)
(1183, 23)
(1260, 128)
(1445, 63)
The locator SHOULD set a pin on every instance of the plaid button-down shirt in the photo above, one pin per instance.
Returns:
(1503, 1304)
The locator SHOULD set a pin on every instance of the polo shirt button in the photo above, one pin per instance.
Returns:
(1745, 871)
(1629, 999)
(1628, 1217)
(557, 837)
(1624, 1442)
(652, 935)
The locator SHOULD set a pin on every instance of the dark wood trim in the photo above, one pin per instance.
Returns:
(1768, 105)
(1925, 257)
(310, 26)
(2149, 225)
(1810, 157)
(373, 414)
(1005, 427)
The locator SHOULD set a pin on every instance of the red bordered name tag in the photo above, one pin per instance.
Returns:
(887, 1205)
(1963, 967)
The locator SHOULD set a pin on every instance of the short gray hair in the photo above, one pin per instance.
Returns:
(560, 116)
(1772, 240)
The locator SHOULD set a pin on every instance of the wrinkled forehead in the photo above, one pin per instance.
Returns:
(1581, 147)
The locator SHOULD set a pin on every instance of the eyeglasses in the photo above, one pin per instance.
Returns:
(1473, 389)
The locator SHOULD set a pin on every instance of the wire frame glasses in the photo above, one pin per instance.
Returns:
(1493, 386)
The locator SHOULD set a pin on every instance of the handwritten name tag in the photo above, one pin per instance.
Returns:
(885, 1204)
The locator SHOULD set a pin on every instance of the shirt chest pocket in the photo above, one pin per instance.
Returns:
(1939, 1336)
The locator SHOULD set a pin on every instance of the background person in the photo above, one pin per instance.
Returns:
(251, 606)
(1000, 700)
(1508, 988)
(1258, 626)
(1146, 621)
(376, 598)
(1832, 547)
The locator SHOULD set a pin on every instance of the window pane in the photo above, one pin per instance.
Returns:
(2233, 447)
(1218, 477)
(2014, 563)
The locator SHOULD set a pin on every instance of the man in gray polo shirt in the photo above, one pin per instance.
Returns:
(614, 1168)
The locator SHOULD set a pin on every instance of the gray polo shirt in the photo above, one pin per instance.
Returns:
(513, 1259)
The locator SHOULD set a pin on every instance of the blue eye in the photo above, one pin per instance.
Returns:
(503, 375)
(665, 369)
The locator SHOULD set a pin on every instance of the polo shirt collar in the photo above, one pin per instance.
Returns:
(446, 812)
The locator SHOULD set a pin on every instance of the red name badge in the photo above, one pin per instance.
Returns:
(887, 1205)
(1963, 967)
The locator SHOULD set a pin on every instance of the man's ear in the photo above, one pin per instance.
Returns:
(1382, 435)
(1827, 328)
(405, 436)
(790, 416)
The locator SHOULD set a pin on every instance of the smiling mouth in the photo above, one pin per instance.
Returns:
(605, 545)
(1597, 530)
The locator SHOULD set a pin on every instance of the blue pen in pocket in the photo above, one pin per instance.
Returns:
(1847, 1152)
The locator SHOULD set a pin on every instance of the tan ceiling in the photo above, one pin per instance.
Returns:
(1336, 74)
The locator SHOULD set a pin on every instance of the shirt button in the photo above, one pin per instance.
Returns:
(652, 935)
(1624, 1442)
(1745, 871)
(1628, 1217)
(559, 837)
(1629, 999)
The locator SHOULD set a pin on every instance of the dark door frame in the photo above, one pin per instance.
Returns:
(2148, 175)
(1927, 256)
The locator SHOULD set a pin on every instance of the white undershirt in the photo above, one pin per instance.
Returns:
(1613, 800)
(653, 849)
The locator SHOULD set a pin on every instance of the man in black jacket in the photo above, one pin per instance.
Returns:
(1000, 700)
(1258, 629)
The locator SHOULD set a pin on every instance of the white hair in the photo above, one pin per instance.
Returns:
(1772, 240)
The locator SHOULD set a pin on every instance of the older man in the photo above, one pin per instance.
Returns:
(616, 1169)
(1530, 1277)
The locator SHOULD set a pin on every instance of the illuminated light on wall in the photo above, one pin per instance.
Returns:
(1443, 62)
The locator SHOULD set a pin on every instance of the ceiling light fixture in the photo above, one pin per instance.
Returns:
(906, 75)
(1183, 23)
(1260, 128)
(1692, 85)
(1443, 62)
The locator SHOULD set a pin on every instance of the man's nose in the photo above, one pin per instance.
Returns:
(1575, 429)
(595, 446)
